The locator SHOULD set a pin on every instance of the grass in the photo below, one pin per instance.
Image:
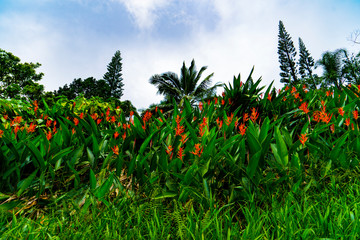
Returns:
(328, 209)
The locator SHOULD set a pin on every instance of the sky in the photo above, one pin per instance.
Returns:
(77, 38)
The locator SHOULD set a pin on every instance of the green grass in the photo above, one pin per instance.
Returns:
(329, 209)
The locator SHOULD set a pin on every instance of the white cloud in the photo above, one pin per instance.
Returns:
(144, 12)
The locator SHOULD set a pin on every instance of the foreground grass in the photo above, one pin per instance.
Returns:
(327, 209)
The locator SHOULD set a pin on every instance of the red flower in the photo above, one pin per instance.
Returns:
(242, 129)
(116, 134)
(303, 107)
(254, 115)
(49, 135)
(219, 123)
(229, 119)
(198, 150)
(341, 111)
(355, 114)
(303, 138)
(98, 121)
(269, 97)
(76, 121)
(81, 115)
(183, 139)
(347, 121)
(200, 106)
(181, 153)
(115, 150)
(179, 130)
(169, 151)
(31, 128)
(1, 133)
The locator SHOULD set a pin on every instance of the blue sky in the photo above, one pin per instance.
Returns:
(77, 38)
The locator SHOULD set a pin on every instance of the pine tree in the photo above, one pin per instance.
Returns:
(306, 62)
(113, 76)
(287, 53)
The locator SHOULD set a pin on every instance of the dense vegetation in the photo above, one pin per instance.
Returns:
(255, 162)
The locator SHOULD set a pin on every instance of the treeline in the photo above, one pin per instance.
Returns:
(21, 80)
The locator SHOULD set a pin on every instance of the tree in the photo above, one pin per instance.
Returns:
(355, 37)
(306, 64)
(287, 54)
(113, 76)
(89, 87)
(188, 86)
(351, 68)
(332, 64)
(19, 79)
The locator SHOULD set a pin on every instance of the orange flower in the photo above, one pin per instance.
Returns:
(169, 151)
(222, 102)
(200, 106)
(115, 149)
(183, 139)
(328, 93)
(48, 123)
(242, 129)
(303, 138)
(181, 153)
(178, 119)
(269, 97)
(245, 117)
(303, 107)
(113, 119)
(49, 135)
(116, 134)
(147, 116)
(98, 121)
(108, 112)
(229, 119)
(31, 128)
(219, 122)
(179, 130)
(355, 114)
(198, 150)
(73, 131)
(254, 115)
(216, 100)
(347, 121)
(81, 115)
(124, 136)
(1, 133)
(76, 121)
(341, 111)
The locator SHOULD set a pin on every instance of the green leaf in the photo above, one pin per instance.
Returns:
(26, 183)
(105, 187)
(91, 157)
(92, 180)
(36, 153)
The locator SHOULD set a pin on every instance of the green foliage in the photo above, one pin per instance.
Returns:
(187, 87)
(19, 79)
(287, 53)
(113, 76)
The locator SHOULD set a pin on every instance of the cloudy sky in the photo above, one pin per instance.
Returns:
(77, 38)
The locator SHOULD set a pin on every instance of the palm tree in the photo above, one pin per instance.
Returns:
(332, 63)
(188, 86)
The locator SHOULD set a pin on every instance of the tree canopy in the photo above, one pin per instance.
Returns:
(19, 79)
(187, 86)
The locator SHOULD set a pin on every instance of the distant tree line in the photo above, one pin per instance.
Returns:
(339, 66)
(111, 86)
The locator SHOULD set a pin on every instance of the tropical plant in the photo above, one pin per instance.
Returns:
(332, 64)
(188, 86)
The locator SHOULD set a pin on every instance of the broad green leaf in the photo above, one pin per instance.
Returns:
(26, 183)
